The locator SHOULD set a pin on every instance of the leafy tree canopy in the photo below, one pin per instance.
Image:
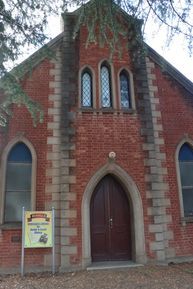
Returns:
(22, 23)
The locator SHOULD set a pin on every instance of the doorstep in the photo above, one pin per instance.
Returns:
(112, 265)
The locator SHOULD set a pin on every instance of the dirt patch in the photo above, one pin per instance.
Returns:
(146, 277)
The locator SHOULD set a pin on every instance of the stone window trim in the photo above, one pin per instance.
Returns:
(184, 219)
(86, 89)
(132, 94)
(105, 62)
(3, 169)
(92, 73)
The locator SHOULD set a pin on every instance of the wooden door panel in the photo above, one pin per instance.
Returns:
(99, 217)
(120, 214)
(110, 222)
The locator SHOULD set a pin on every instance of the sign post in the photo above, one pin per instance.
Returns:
(53, 241)
(38, 232)
(22, 246)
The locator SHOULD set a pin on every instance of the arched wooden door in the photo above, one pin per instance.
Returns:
(110, 222)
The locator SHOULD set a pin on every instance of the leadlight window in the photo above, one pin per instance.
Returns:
(86, 89)
(18, 182)
(105, 86)
(125, 90)
(186, 175)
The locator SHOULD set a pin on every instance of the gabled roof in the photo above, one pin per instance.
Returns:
(170, 69)
(33, 60)
(123, 13)
(37, 57)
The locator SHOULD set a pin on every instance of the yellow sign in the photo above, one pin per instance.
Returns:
(38, 229)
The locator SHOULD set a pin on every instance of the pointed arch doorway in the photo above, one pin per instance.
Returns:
(110, 222)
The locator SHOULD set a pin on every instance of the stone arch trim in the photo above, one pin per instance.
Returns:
(3, 168)
(132, 193)
(188, 140)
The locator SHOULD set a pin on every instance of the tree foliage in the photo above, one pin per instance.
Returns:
(22, 23)
(175, 15)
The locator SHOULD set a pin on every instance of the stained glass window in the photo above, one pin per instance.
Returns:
(124, 90)
(105, 87)
(18, 182)
(186, 175)
(86, 93)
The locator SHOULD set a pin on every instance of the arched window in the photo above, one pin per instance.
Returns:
(105, 78)
(185, 159)
(18, 182)
(86, 89)
(125, 93)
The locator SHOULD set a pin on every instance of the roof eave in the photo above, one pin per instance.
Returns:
(170, 69)
(34, 59)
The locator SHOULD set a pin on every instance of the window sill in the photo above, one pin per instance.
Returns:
(185, 220)
(11, 226)
(128, 110)
(87, 109)
(107, 111)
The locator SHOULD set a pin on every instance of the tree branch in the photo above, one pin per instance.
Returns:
(179, 16)
(177, 29)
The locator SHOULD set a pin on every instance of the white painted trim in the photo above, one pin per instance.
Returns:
(3, 169)
(133, 195)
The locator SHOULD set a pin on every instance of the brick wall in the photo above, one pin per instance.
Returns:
(99, 132)
(37, 87)
(176, 105)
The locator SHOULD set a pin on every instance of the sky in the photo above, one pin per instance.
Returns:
(177, 53)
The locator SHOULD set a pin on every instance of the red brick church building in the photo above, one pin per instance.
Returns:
(113, 156)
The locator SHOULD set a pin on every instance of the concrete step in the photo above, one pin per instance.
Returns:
(112, 265)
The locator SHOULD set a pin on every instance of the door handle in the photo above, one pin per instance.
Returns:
(111, 223)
